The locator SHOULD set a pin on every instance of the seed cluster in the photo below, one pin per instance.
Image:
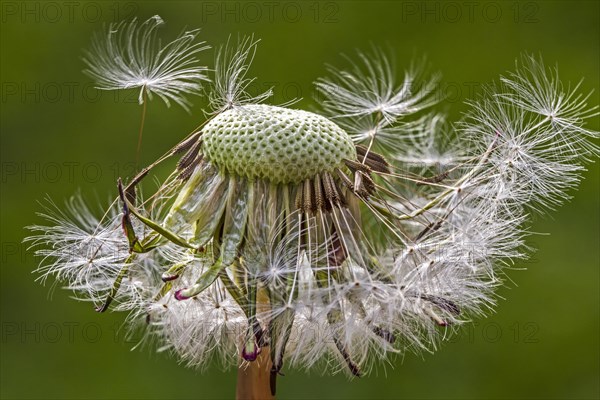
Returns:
(275, 143)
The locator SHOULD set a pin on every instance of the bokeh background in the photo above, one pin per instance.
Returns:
(60, 135)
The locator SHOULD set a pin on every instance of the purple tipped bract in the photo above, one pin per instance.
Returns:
(180, 296)
(250, 352)
(168, 277)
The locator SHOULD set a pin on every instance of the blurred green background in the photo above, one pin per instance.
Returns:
(58, 135)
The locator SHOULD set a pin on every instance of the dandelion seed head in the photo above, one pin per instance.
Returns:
(335, 241)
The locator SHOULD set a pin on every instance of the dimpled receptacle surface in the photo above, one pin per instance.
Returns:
(275, 143)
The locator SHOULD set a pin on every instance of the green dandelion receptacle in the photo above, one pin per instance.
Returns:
(279, 144)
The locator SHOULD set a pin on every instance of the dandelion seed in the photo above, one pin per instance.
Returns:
(368, 103)
(129, 55)
(230, 84)
(370, 88)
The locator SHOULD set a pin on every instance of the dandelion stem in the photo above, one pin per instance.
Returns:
(254, 379)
